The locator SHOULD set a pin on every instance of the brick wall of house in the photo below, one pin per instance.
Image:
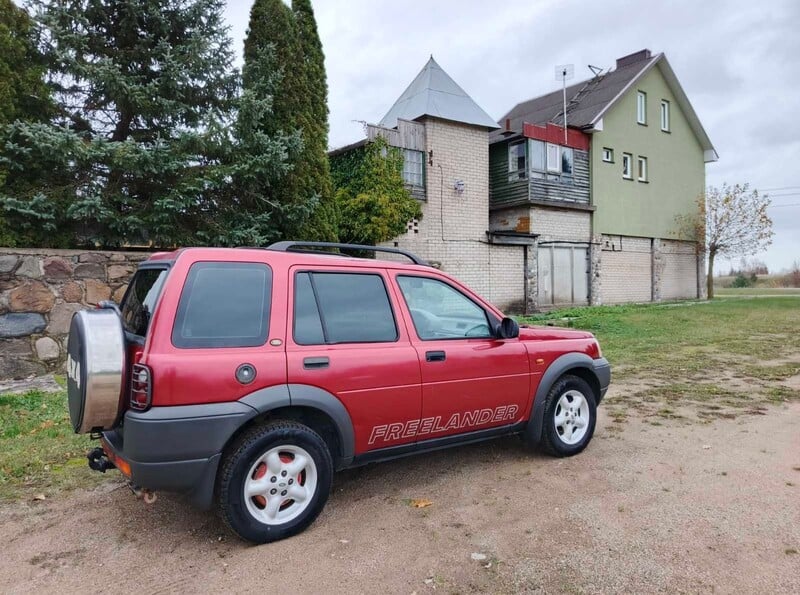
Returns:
(40, 290)
(625, 270)
(560, 224)
(679, 274)
(507, 270)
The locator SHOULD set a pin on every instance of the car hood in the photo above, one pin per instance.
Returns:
(551, 333)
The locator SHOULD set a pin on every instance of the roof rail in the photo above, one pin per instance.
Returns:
(293, 246)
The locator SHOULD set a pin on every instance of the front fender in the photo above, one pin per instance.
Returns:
(599, 368)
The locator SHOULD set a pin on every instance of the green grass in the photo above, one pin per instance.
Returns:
(675, 341)
(749, 291)
(39, 453)
(721, 358)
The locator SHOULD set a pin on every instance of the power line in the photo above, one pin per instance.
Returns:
(794, 204)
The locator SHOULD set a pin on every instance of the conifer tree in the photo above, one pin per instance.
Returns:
(299, 105)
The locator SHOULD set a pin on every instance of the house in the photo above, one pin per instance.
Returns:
(536, 214)
(601, 200)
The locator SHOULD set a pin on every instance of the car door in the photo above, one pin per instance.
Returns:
(470, 379)
(346, 338)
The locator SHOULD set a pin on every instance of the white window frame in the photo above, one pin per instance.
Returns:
(414, 171)
(627, 166)
(554, 165)
(641, 107)
(641, 167)
(665, 115)
(609, 153)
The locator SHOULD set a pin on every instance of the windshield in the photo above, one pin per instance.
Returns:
(140, 299)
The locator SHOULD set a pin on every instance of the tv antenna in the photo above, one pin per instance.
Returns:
(596, 70)
(565, 72)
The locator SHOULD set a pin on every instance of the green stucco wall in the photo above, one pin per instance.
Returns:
(676, 172)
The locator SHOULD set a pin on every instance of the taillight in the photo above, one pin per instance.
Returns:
(141, 387)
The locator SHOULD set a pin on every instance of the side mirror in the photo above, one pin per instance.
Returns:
(508, 329)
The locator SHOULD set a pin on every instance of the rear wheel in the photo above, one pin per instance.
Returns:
(274, 482)
(570, 415)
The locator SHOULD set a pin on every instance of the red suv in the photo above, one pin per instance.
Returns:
(245, 377)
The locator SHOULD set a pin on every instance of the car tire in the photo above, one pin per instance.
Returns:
(274, 481)
(570, 415)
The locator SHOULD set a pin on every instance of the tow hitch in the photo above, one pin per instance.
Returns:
(99, 461)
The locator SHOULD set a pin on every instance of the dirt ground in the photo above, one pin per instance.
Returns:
(712, 506)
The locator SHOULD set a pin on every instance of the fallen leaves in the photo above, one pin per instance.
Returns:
(419, 503)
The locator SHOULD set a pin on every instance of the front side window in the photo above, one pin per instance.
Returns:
(641, 107)
(516, 161)
(627, 166)
(441, 312)
(140, 300)
(665, 115)
(224, 304)
(413, 167)
(332, 308)
(642, 169)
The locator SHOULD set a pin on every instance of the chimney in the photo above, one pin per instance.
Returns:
(633, 58)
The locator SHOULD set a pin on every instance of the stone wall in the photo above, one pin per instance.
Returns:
(40, 290)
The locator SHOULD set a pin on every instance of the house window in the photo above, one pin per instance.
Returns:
(608, 155)
(551, 162)
(413, 167)
(627, 166)
(665, 115)
(642, 169)
(516, 161)
(641, 107)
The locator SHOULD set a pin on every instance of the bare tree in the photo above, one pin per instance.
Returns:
(729, 221)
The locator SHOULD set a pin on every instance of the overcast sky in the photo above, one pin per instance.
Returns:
(737, 61)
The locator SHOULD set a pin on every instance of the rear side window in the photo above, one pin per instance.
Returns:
(342, 308)
(140, 300)
(224, 305)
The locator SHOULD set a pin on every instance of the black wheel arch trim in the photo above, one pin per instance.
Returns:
(313, 397)
(599, 368)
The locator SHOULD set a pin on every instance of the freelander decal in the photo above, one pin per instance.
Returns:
(434, 425)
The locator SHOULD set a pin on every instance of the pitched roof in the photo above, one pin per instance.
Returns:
(589, 100)
(434, 93)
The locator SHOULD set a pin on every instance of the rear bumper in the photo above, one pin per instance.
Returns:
(602, 370)
(177, 449)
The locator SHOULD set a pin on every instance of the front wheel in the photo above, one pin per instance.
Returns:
(570, 414)
(274, 482)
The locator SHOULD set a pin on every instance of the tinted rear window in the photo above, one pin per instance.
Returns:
(354, 308)
(224, 305)
(140, 300)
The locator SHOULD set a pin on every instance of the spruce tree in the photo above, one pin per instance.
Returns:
(140, 149)
(23, 94)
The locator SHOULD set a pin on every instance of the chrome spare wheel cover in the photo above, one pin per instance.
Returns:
(280, 485)
(95, 369)
(571, 417)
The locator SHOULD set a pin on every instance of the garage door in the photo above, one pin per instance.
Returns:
(563, 275)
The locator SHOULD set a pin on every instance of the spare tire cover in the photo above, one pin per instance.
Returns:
(95, 370)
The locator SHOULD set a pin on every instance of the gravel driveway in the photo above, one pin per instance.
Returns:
(675, 507)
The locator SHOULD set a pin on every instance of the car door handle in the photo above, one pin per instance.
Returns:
(315, 363)
(435, 356)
